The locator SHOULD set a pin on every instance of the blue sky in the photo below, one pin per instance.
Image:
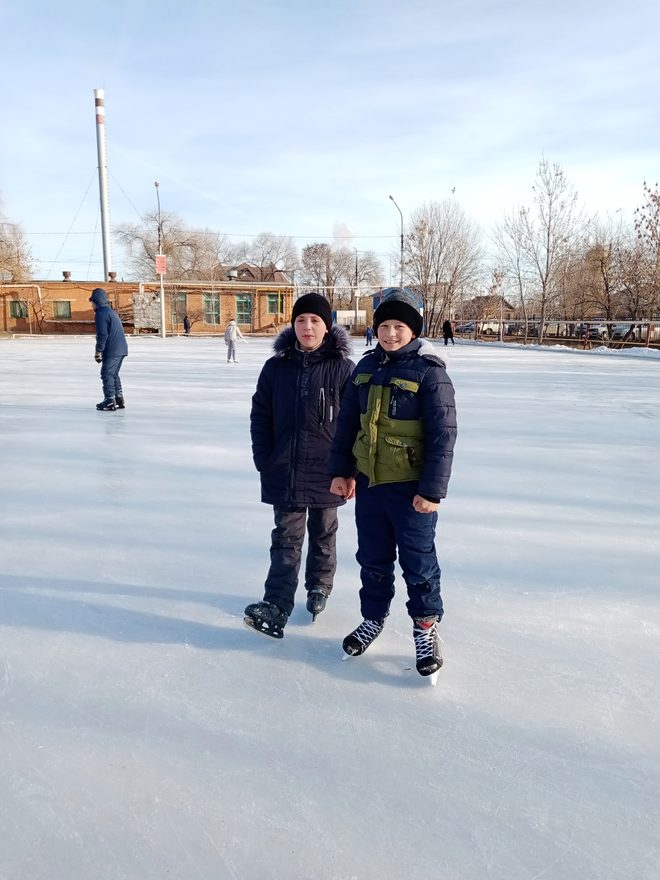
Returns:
(301, 120)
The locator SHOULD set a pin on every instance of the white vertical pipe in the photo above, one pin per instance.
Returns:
(99, 102)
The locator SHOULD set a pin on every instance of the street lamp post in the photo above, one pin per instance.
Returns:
(160, 266)
(401, 215)
(357, 295)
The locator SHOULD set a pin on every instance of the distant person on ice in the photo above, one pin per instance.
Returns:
(369, 335)
(292, 423)
(111, 349)
(397, 429)
(232, 335)
(186, 325)
(448, 332)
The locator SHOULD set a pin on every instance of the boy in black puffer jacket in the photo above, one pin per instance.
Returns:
(292, 425)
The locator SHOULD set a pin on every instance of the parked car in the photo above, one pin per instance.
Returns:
(488, 328)
(620, 331)
(590, 330)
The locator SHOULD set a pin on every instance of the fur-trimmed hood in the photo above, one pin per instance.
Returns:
(422, 347)
(336, 345)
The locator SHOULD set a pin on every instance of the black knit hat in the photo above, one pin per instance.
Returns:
(313, 304)
(399, 305)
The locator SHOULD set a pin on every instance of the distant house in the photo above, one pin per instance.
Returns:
(258, 304)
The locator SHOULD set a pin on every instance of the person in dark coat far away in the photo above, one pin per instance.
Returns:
(186, 325)
(292, 424)
(111, 349)
(448, 332)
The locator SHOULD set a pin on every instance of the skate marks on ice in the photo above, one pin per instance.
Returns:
(6, 677)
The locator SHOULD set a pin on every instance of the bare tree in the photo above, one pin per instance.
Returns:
(443, 258)
(192, 254)
(508, 239)
(548, 230)
(269, 253)
(15, 254)
(647, 227)
(324, 266)
(632, 269)
(602, 268)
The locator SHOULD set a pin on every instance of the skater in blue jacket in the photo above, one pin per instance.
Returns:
(111, 349)
(393, 451)
(292, 423)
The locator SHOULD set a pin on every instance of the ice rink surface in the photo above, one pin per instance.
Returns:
(146, 734)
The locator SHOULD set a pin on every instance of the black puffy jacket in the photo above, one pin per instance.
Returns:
(294, 417)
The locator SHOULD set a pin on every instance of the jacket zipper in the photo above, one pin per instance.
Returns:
(322, 406)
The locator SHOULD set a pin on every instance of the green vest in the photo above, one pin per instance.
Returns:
(388, 450)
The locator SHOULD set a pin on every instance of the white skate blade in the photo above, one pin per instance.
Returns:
(346, 657)
(433, 678)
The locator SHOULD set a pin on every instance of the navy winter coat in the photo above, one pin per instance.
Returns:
(294, 417)
(110, 337)
(399, 407)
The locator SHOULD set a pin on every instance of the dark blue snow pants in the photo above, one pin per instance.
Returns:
(286, 553)
(110, 368)
(387, 521)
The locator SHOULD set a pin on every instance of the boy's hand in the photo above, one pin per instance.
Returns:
(422, 505)
(344, 487)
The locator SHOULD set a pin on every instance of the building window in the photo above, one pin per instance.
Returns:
(62, 310)
(18, 309)
(274, 303)
(244, 309)
(178, 308)
(211, 308)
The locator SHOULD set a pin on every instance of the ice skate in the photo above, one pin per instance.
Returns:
(316, 601)
(427, 647)
(107, 405)
(359, 640)
(266, 618)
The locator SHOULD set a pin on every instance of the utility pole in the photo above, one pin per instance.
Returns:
(401, 215)
(357, 296)
(160, 265)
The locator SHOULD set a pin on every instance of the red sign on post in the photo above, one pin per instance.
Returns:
(161, 264)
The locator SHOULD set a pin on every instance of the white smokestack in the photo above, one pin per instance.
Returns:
(99, 102)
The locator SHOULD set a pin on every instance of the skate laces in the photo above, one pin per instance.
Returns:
(426, 638)
(367, 631)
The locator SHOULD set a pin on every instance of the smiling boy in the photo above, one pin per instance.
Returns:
(396, 432)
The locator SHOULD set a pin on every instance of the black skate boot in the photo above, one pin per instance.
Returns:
(119, 400)
(266, 618)
(359, 640)
(427, 645)
(316, 600)
(107, 405)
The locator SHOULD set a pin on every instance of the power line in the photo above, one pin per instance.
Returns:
(254, 235)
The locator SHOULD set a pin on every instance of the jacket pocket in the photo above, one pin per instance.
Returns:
(404, 455)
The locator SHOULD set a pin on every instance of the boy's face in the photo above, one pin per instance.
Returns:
(393, 335)
(310, 331)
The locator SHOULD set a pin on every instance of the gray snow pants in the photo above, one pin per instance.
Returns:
(286, 553)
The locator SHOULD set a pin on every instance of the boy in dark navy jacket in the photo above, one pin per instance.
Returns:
(292, 424)
(393, 450)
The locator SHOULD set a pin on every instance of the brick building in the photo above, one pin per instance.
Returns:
(48, 307)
